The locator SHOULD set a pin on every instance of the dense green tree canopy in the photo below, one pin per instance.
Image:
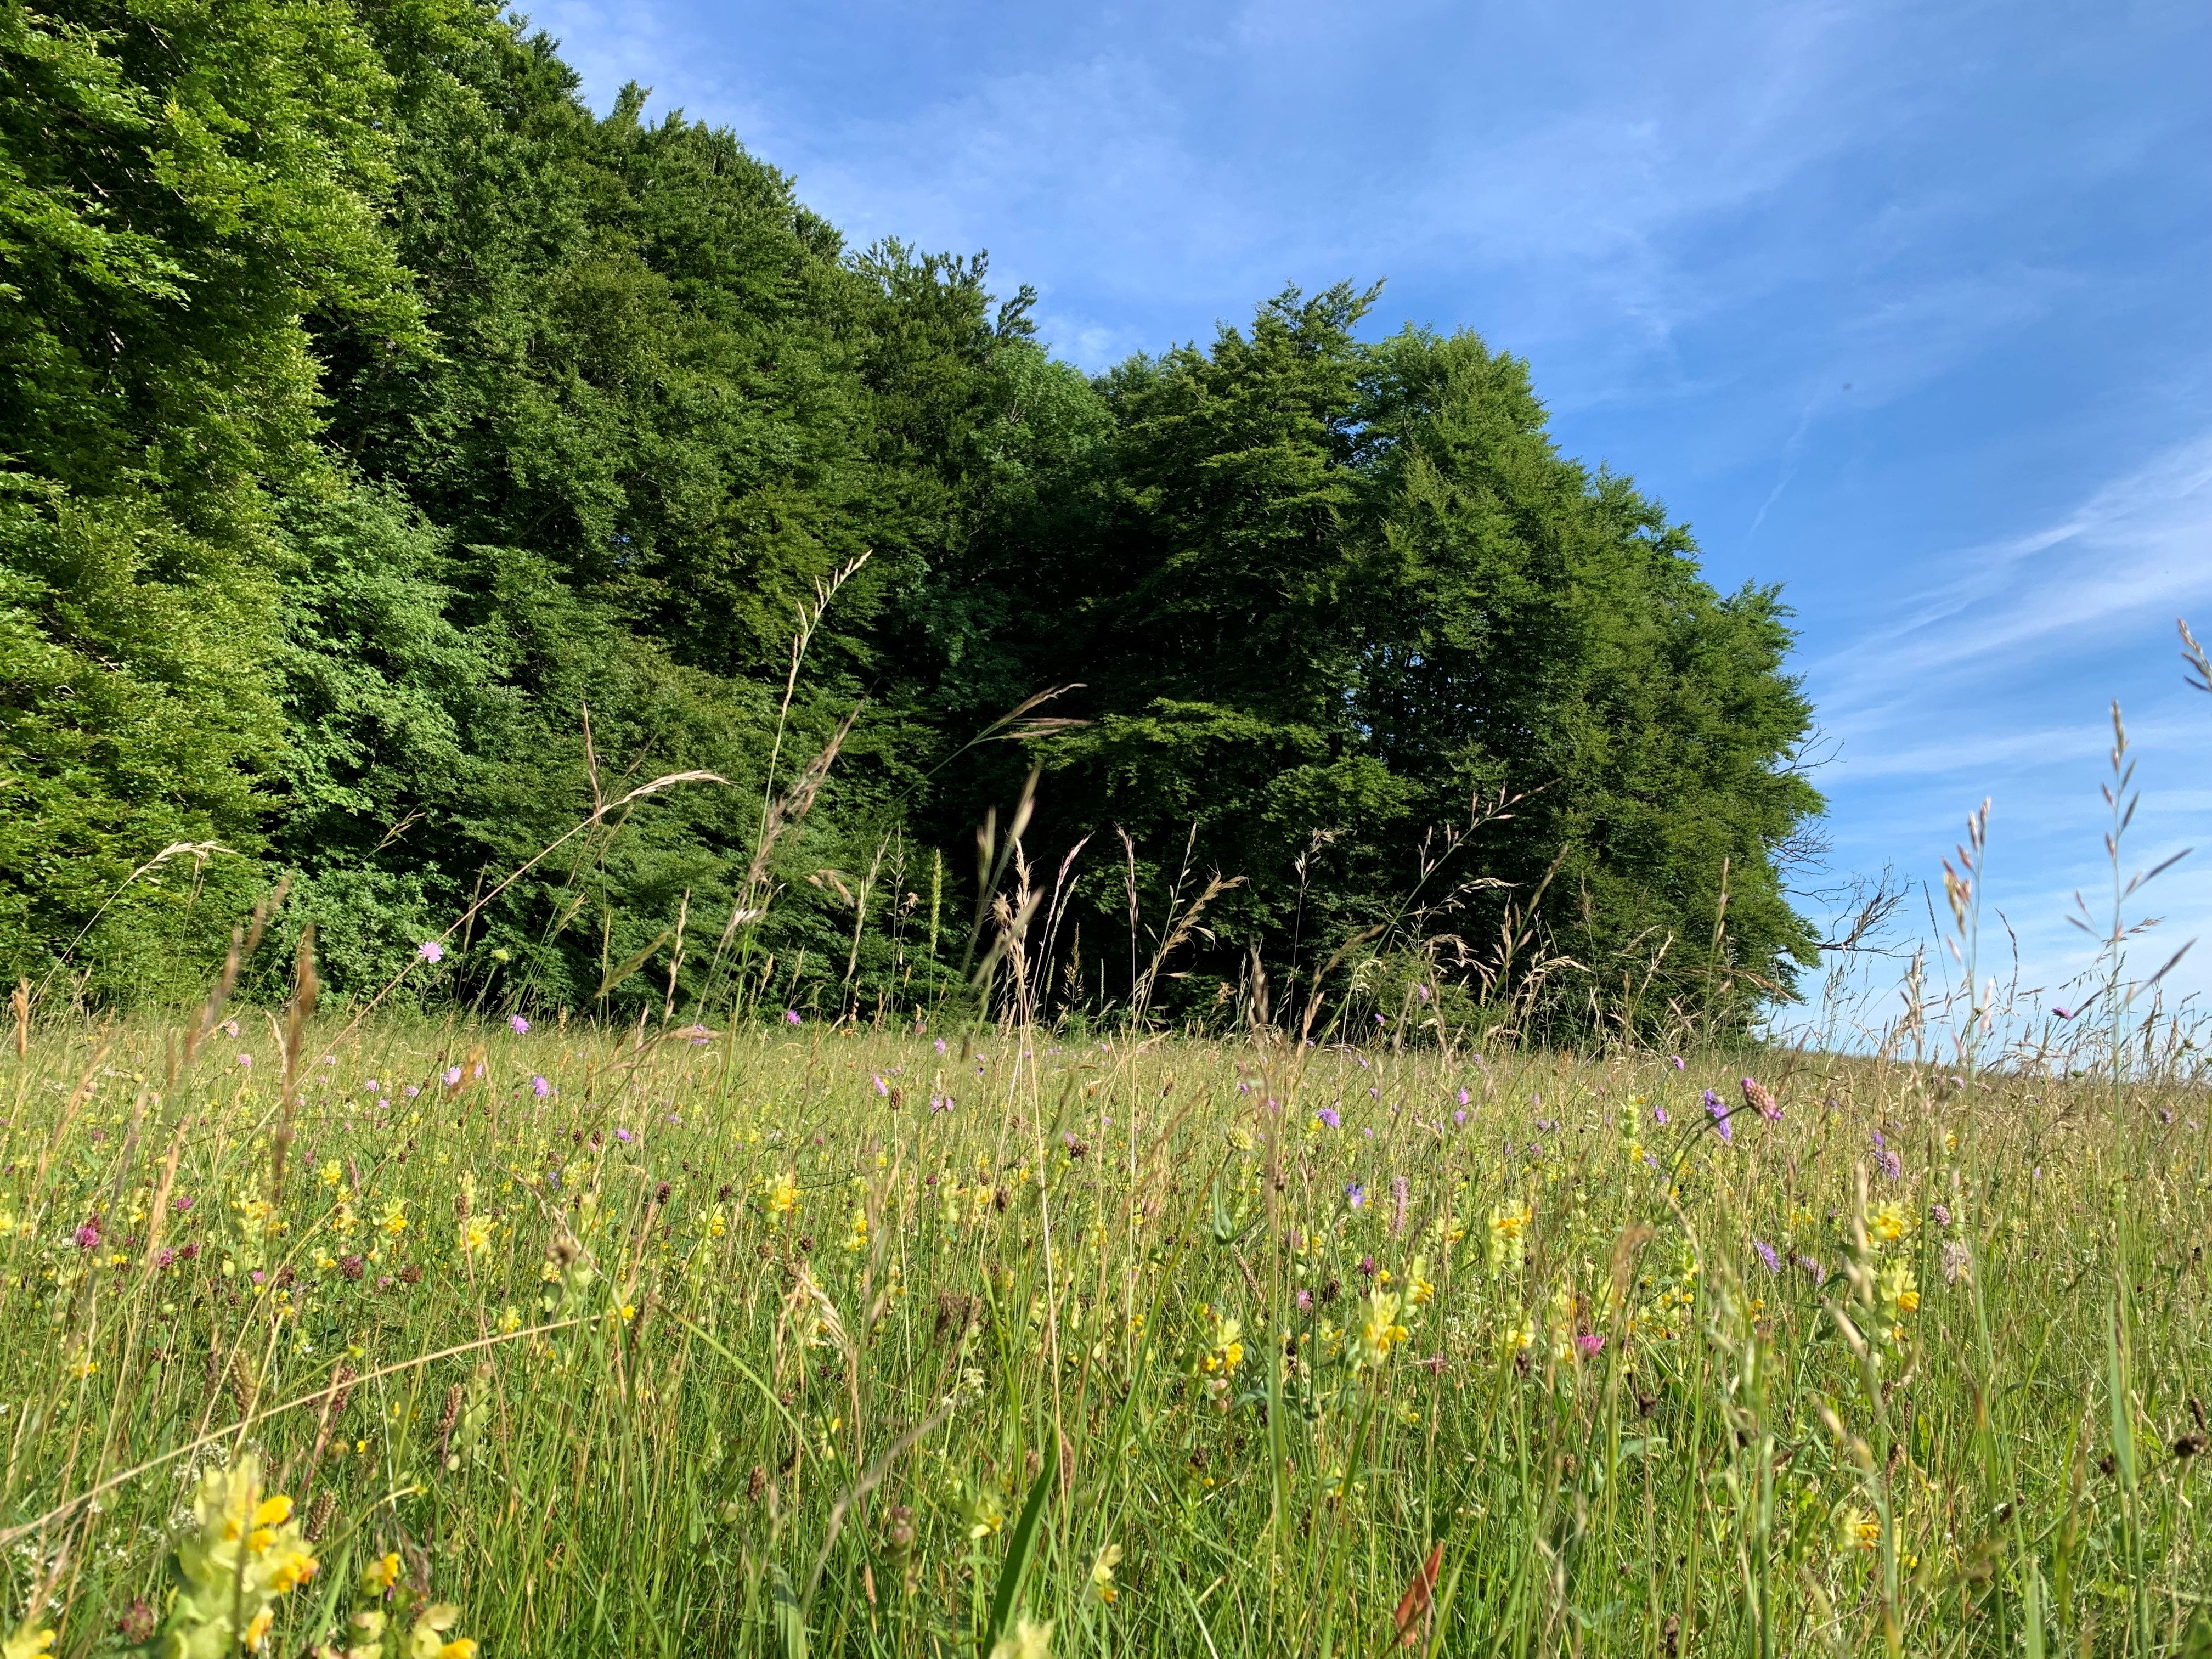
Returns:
(398, 459)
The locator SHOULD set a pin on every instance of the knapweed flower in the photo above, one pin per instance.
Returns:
(540, 1087)
(1756, 1097)
(517, 1024)
(1327, 1116)
(88, 1235)
(430, 951)
(1591, 1344)
(1720, 1115)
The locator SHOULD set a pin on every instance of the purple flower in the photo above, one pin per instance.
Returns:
(1892, 1166)
(517, 1024)
(1659, 1115)
(1327, 1115)
(246, 1061)
(1767, 1259)
(940, 1045)
(540, 1087)
(1676, 1060)
(1378, 1019)
(383, 1105)
(1720, 1114)
(430, 951)
(2062, 1013)
(453, 1075)
(1755, 1095)
(1460, 1116)
(411, 1091)
(88, 1235)
(370, 1087)
(1421, 991)
(1939, 1215)
(1462, 1098)
(790, 1017)
(1305, 1301)
(1367, 1265)
(940, 1103)
(181, 1202)
(257, 1276)
(164, 1256)
(1590, 1343)
(1811, 1265)
(1354, 1194)
(881, 1087)
(624, 1135)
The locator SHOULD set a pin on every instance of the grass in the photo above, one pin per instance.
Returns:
(860, 1341)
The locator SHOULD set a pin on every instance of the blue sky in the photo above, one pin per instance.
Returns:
(1906, 307)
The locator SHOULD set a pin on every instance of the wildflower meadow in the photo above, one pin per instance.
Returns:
(807, 1336)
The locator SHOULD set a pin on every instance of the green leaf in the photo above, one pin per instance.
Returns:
(1018, 1551)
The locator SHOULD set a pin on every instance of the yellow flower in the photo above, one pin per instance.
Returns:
(475, 1235)
(29, 1642)
(1419, 1292)
(245, 1552)
(395, 1218)
(381, 1575)
(987, 1515)
(332, 1173)
(1102, 1572)
(629, 1312)
(510, 1321)
(428, 1639)
(1856, 1529)
(782, 1194)
(1889, 1223)
(1028, 1640)
(1508, 1244)
(1379, 1329)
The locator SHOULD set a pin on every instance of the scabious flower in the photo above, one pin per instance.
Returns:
(540, 1087)
(1767, 1258)
(1659, 1115)
(517, 1024)
(1720, 1115)
(1354, 1194)
(430, 951)
(1756, 1096)
(245, 1061)
(1327, 1115)
(790, 1017)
